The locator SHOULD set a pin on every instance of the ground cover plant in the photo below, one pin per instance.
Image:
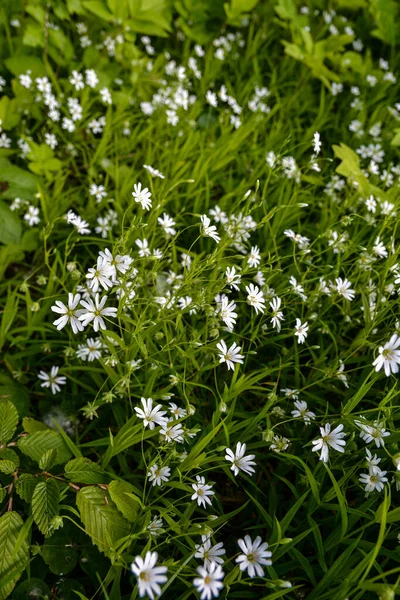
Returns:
(199, 328)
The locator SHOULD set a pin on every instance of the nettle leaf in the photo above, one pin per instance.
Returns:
(8, 419)
(48, 459)
(45, 499)
(101, 518)
(13, 559)
(83, 470)
(25, 486)
(119, 491)
(36, 444)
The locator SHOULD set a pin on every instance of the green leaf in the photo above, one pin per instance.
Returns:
(45, 499)
(10, 225)
(8, 421)
(20, 182)
(101, 518)
(12, 563)
(25, 486)
(59, 554)
(48, 459)
(7, 467)
(31, 425)
(119, 491)
(36, 444)
(83, 470)
(99, 9)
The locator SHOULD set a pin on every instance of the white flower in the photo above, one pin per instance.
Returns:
(32, 216)
(239, 461)
(233, 279)
(343, 288)
(389, 356)
(209, 230)
(142, 196)
(155, 526)
(211, 98)
(91, 78)
(172, 433)
(203, 492)
(98, 191)
(254, 555)
(279, 443)
(317, 143)
(209, 583)
(255, 298)
(151, 416)
(154, 172)
(301, 331)
(372, 433)
(53, 380)
(277, 314)
(374, 480)
(167, 223)
(148, 575)
(254, 258)
(105, 96)
(102, 275)
(158, 475)
(210, 553)
(177, 411)
(143, 246)
(302, 412)
(68, 313)
(328, 439)
(95, 311)
(76, 80)
(91, 350)
(226, 311)
(26, 80)
(230, 356)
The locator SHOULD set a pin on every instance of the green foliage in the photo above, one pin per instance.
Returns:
(101, 518)
(45, 500)
(13, 557)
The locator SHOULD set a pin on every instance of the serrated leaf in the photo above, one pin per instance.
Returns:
(48, 459)
(120, 494)
(8, 419)
(25, 486)
(83, 470)
(101, 518)
(31, 425)
(7, 467)
(12, 563)
(3, 494)
(36, 444)
(9, 454)
(45, 499)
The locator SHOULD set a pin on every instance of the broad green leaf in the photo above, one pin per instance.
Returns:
(10, 225)
(25, 486)
(83, 470)
(119, 491)
(45, 499)
(36, 444)
(48, 459)
(9, 314)
(8, 420)
(12, 564)
(59, 553)
(31, 425)
(99, 8)
(7, 467)
(101, 518)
